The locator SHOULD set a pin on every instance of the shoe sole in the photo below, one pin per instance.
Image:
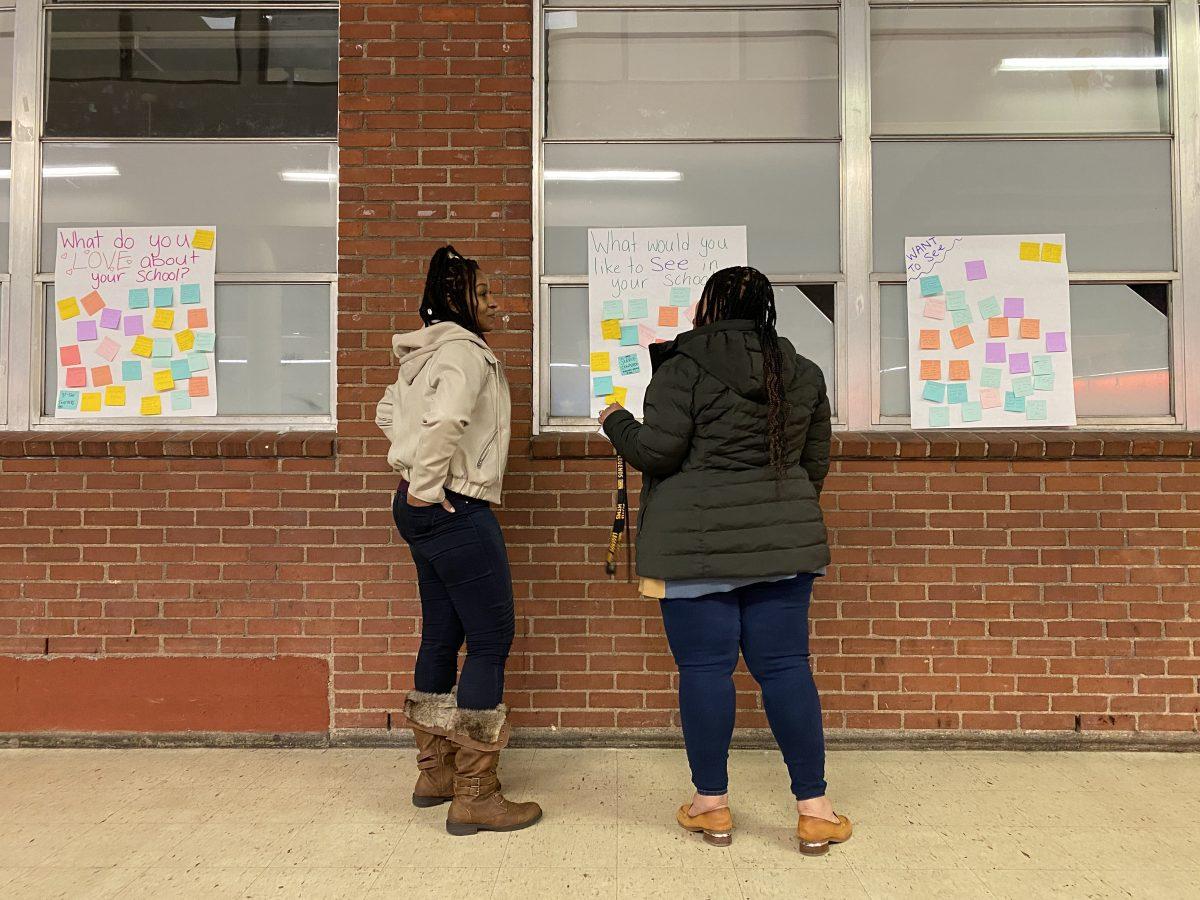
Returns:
(716, 838)
(464, 829)
(817, 848)
(426, 802)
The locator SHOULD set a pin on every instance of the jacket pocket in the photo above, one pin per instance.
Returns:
(487, 448)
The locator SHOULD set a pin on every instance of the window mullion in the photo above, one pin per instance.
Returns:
(1185, 89)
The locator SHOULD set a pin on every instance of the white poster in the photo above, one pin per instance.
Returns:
(135, 321)
(643, 287)
(989, 331)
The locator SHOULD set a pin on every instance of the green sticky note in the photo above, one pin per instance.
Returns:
(1035, 410)
(957, 393)
(639, 308)
(206, 342)
(180, 369)
(197, 362)
(956, 299)
(131, 370)
(939, 416)
(68, 400)
(989, 376)
(629, 335)
(961, 317)
(180, 400)
(189, 293)
(1043, 365)
(162, 347)
(1022, 385)
(1013, 403)
(931, 285)
(612, 309)
(164, 296)
(629, 364)
(602, 387)
(934, 392)
(989, 308)
(139, 298)
(972, 411)
(681, 296)
(1043, 382)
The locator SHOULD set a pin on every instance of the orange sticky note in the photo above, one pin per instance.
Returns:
(1031, 329)
(68, 308)
(203, 239)
(960, 370)
(931, 339)
(610, 329)
(197, 318)
(1052, 253)
(1030, 251)
(198, 386)
(998, 327)
(163, 380)
(186, 339)
(152, 405)
(962, 337)
(114, 395)
(668, 316)
(931, 370)
(101, 376)
(93, 303)
(142, 346)
(90, 401)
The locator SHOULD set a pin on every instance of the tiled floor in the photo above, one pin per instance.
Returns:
(338, 823)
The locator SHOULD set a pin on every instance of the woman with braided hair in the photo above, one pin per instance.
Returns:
(734, 449)
(448, 419)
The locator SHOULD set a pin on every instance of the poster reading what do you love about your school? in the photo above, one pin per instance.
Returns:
(135, 321)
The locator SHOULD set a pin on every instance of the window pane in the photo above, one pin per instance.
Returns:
(719, 74)
(1120, 349)
(805, 317)
(191, 73)
(787, 195)
(5, 182)
(289, 226)
(272, 351)
(1111, 198)
(1019, 70)
(7, 20)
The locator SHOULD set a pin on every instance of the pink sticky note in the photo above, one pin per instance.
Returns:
(134, 325)
(77, 377)
(935, 308)
(1056, 342)
(1014, 307)
(69, 355)
(976, 270)
(989, 398)
(108, 348)
(110, 318)
(85, 330)
(994, 352)
(1018, 363)
(646, 335)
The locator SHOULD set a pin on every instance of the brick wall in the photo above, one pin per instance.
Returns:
(1032, 584)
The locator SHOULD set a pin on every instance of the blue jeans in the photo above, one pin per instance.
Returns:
(466, 593)
(769, 622)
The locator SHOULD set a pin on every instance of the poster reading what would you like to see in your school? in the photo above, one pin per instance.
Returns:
(643, 288)
(989, 331)
(135, 320)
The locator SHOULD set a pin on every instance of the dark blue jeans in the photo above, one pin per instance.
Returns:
(769, 622)
(466, 592)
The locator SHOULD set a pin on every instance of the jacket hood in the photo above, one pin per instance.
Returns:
(414, 349)
(730, 351)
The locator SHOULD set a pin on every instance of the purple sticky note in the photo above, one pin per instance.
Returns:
(110, 318)
(976, 270)
(134, 325)
(85, 330)
(1018, 363)
(1014, 307)
(994, 352)
(1056, 342)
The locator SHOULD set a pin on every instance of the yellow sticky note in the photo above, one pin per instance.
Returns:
(114, 395)
(90, 401)
(1052, 253)
(610, 329)
(163, 380)
(601, 362)
(152, 405)
(142, 346)
(1031, 251)
(186, 339)
(68, 308)
(203, 239)
(163, 318)
(617, 396)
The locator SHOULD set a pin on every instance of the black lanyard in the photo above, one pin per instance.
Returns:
(620, 523)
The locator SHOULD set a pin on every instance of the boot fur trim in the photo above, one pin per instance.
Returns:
(432, 712)
(482, 727)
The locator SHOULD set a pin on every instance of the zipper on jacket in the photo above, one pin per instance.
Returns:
(483, 455)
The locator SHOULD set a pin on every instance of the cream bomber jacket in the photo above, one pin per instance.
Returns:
(448, 415)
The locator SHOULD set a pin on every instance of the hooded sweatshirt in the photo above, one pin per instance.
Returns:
(448, 415)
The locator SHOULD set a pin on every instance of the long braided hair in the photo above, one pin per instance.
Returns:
(741, 292)
(450, 290)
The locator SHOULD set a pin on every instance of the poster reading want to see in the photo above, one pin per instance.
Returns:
(643, 287)
(989, 331)
(135, 320)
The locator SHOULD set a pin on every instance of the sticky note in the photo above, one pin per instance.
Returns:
(989, 398)
(962, 337)
(89, 401)
(960, 370)
(164, 296)
(164, 319)
(180, 401)
(646, 335)
(189, 293)
(139, 298)
(186, 339)
(993, 352)
(197, 318)
(68, 400)
(972, 411)
(180, 369)
(198, 387)
(629, 336)
(639, 308)
(935, 308)
(956, 393)
(939, 416)
(934, 392)
(1056, 341)
(956, 299)
(101, 376)
(1022, 385)
(1013, 403)
(617, 396)
(610, 329)
(134, 325)
(602, 386)
(1052, 253)
(1043, 382)
(931, 370)
(976, 270)
(1030, 251)
(1031, 329)
(1018, 363)
(668, 316)
(1035, 410)
(206, 341)
(989, 308)
(142, 346)
(629, 364)
(114, 395)
(930, 339)
(92, 302)
(930, 285)
(164, 380)
(151, 405)
(77, 377)
(85, 330)
(68, 308)
(681, 296)
(1014, 307)
(612, 309)
(960, 317)
(68, 355)
(108, 349)
(131, 370)
(1043, 365)
(990, 377)
(601, 362)
(197, 362)
(162, 347)
(203, 239)
(110, 318)
(998, 327)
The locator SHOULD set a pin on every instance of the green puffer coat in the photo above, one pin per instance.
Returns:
(712, 505)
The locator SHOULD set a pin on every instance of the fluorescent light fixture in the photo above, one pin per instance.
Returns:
(309, 175)
(1083, 64)
(97, 171)
(612, 175)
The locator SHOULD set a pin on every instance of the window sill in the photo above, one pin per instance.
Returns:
(169, 444)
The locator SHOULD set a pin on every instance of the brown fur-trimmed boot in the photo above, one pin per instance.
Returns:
(429, 716)
(478, 736)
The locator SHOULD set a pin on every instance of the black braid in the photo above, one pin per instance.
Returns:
(741, 292)
(450, 292)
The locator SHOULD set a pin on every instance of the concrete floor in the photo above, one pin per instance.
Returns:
(338, 823)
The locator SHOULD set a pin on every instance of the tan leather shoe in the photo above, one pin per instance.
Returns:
(717, 824)
(817, 834)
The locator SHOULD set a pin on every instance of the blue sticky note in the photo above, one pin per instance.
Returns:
(934, 392)
(162, 347)
(639, 308)
(1043, 382)
(206, 341)
(957, 393)
(612, 309)
(989, 308)
(629, 364)
(180, 400)
(681, 296)
(131, 370)
(939, 416)
(180, 369)
(1022, 385)
(602, 386)
(164, 296)
(972, 411)
(1013, 403)
(1043, 365)
(139, 298)
(1035, 410)
(68, 399)
(197, 362)
(961, 317)
(956, 299)
(189, 293)
(989, 376)
(931, 285)
(629, 336)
